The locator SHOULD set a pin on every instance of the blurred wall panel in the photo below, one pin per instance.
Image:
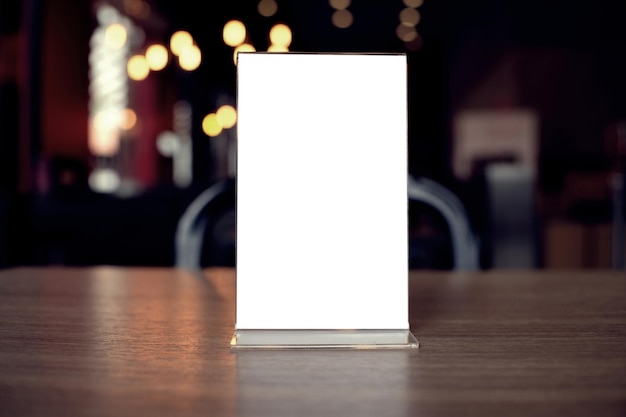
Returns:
(64, 98)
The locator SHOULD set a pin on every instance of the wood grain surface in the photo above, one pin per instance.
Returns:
(110, 341)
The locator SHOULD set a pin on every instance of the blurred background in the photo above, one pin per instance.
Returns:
(116, 114)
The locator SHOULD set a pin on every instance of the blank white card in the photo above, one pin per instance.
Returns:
(322, 191)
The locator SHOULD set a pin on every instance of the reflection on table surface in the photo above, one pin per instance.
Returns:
(120, 341)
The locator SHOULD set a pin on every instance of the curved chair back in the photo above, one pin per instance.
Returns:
(192, 225)
(464, 243)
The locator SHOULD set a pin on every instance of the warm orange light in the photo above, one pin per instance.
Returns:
(244, 47)
(267, 8)
(115, 36)
(339, 4)
(137, 68)
(280, 35)
(179, 41)
(157, 57)
(190, 58)
(227, 116)
(234, 33)
(104, 135)
(277, 48)
(128, 119)
(211, 125)
(413, 3)
(410, 17)
(137, 8)
(406, 33)
(342, 18)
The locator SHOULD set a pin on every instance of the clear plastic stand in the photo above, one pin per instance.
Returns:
(323, 339)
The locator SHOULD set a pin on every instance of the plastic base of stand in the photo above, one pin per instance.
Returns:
(323, 339)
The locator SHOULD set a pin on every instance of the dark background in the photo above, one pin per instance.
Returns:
(563, 59)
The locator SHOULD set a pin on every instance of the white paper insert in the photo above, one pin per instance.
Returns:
(322, 191)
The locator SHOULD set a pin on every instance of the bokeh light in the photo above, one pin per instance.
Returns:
(106, 15)
(211, 125)
(244, 47)
(104, 180)
(342, 18)
(277, 48)
(280, 34)
(339, 4)
(137, 68)
(413, 3)
(115, 36)
(190, 58)
(128, 119)
(104, 135)
(406, 33)
(137, 8)
(179, 41)
(409, 17)
(168, 143)
(227, 116)
(267, 8)
(234, 33)
(157, 57)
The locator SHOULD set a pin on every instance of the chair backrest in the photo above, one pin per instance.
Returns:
(192, 225)
(191, 229)
(465, 248)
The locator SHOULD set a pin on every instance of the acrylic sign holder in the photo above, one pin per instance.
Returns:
(322, 202)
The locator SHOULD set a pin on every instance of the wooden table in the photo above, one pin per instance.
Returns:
(155, 341)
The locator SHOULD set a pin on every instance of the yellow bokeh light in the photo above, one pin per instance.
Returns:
(190, 58)
(342, 18)
(157, 57)
(244, 47)
(277, 48)
(406, 33)
(128, 119)
(179, 41)
(267, 8)
(280, 35)
(339, 4)
(410, 17)
(137, 67)
(227, 116)
(234, 33)
(211, 125)
(413, 3)
(115, 36)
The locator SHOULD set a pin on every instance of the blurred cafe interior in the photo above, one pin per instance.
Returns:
(115, 115)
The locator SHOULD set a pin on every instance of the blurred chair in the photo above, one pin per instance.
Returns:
(202, 216)
(465, 248)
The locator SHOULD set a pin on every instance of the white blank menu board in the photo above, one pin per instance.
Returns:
(322, 191)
